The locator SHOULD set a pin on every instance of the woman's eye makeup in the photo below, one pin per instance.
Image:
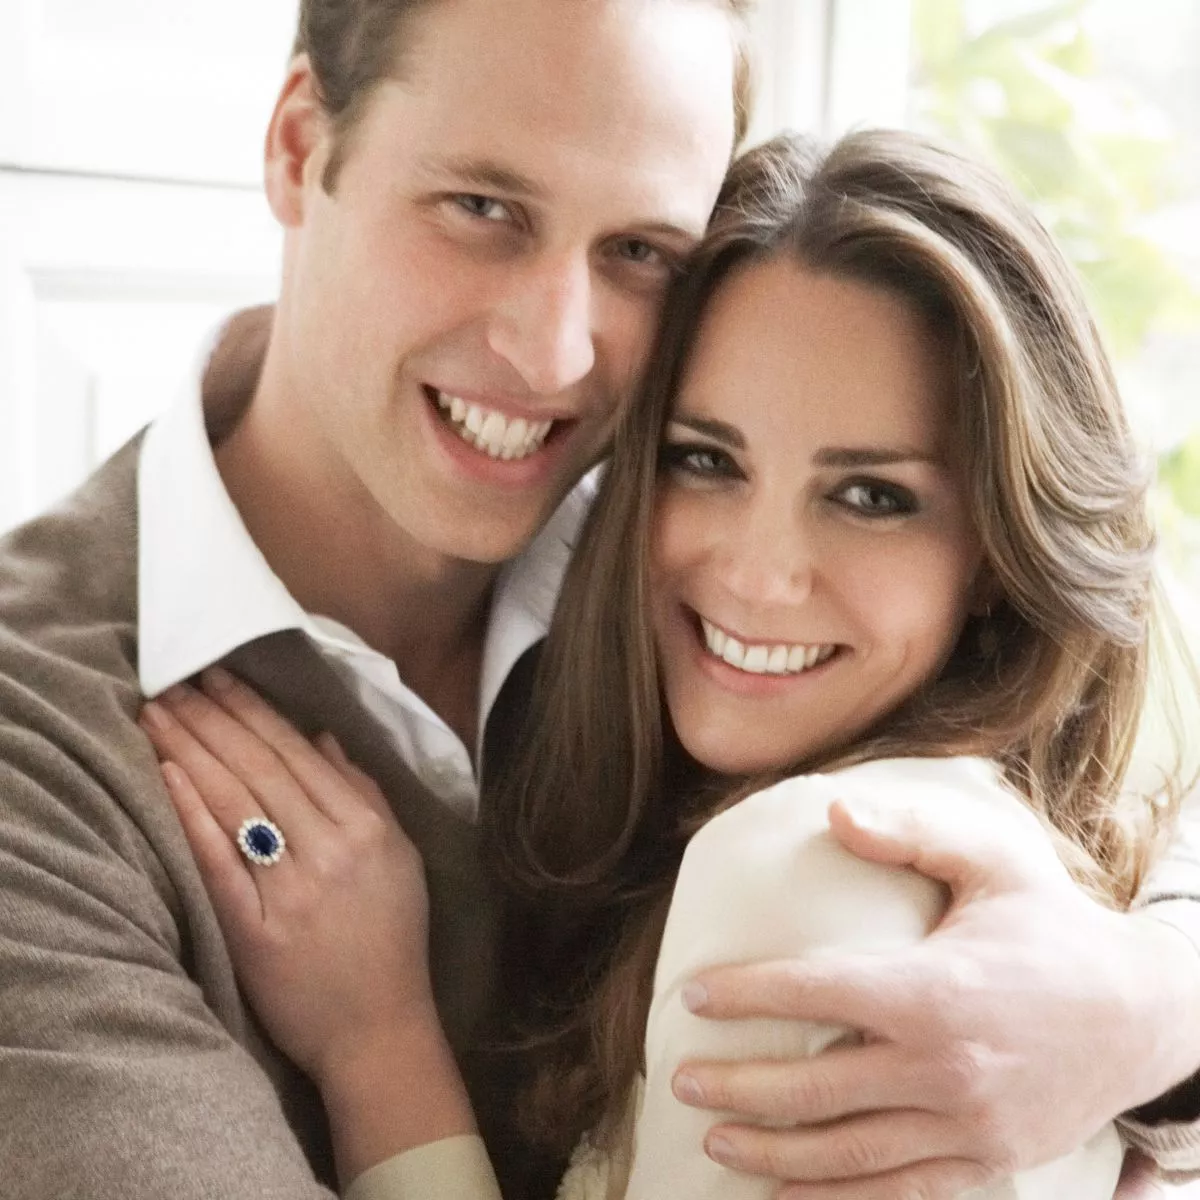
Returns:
(700, 460)
(876, 498)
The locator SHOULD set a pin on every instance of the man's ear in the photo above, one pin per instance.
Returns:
(297, 145)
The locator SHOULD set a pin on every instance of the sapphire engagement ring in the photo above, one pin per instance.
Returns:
(261, 841)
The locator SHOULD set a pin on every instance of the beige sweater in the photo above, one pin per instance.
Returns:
(130, 1066)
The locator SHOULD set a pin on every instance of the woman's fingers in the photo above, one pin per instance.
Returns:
(357, 778)
(228, 799)
(253, 740)
(234, 895)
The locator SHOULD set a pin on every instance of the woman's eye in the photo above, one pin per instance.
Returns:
(877, 499)
(704, 462)
(484, 207)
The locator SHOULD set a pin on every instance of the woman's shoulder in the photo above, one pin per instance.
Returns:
(766, 876)
(801, 802)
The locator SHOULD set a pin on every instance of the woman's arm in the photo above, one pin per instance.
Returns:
(330, 943)
(767, 881)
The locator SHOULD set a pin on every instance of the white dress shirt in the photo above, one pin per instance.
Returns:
(204, 589)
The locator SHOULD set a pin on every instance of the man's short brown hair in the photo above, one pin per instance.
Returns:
(354, 45)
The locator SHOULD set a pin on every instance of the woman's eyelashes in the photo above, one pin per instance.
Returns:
(698, 461)
(875, 498)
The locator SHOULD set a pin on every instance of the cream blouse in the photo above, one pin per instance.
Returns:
(766, 879)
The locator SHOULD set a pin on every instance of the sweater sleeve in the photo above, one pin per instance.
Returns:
(118, 1080)
(1168, 1129)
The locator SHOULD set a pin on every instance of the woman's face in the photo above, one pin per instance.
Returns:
(813, 554)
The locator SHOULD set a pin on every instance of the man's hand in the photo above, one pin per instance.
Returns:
(1028, 1019)
(1139, 1179)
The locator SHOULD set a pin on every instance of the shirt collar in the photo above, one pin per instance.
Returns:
(204, 587)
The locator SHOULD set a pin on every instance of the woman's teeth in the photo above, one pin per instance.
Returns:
(779, 659)
(491, 431)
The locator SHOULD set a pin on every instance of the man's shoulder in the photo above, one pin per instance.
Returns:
(69, 692)
(68, 578)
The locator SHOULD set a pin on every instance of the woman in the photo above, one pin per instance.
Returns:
(877, 502)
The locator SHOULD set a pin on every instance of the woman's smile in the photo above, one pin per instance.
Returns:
(814, 557)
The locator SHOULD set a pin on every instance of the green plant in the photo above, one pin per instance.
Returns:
(1094, 157)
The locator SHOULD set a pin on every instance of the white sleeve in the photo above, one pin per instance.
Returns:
(764, 880)
(455, 1168)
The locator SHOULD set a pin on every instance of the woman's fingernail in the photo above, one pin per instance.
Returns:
(694, 996)
(688, 1090)
(172, 774)
(719, 1149)
(155, 717)
(218, 679)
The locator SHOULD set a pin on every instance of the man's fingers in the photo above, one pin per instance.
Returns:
(842, 1081)
(872, 994)
(1139, 1179)
(865, 1147)
(971, 850)
(934, 1179)
(234, 895)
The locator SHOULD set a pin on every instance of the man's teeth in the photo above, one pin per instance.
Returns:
(780, 659)
(491, 431)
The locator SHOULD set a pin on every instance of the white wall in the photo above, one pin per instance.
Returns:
(131, 214)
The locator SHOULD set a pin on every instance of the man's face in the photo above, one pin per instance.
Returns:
(462, 316)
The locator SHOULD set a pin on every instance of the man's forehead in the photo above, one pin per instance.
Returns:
(524, 92)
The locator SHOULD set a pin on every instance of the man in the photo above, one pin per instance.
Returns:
(482, 202)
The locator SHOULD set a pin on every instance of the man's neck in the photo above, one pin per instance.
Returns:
(341, 557)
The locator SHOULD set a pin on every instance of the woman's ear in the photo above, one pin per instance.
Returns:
(297, 144)
(986, 591)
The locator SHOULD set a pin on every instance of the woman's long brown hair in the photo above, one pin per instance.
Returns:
(592, 820)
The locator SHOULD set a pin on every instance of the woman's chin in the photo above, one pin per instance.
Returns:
(722, 756)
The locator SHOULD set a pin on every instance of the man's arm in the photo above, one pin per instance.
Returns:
(1028, 1019)
(1167, 1129)
(117, 1079)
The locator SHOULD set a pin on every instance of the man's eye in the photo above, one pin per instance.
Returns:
(877, 499)
(485, 207)
(638, 251)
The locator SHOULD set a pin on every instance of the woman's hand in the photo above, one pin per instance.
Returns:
(330, 943)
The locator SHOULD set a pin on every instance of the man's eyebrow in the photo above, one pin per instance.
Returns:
(490, 176)
(872, 456)
(719, 431)
(485, 174)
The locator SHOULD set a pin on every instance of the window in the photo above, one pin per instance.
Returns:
(1092, 107)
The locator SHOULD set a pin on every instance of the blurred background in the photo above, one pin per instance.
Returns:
(131, 216)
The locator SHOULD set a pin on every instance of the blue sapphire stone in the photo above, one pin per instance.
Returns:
(261, 840)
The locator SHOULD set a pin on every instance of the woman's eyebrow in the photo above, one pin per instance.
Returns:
(872, 456)
(719, 431)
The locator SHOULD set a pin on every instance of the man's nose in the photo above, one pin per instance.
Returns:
(542, 324)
